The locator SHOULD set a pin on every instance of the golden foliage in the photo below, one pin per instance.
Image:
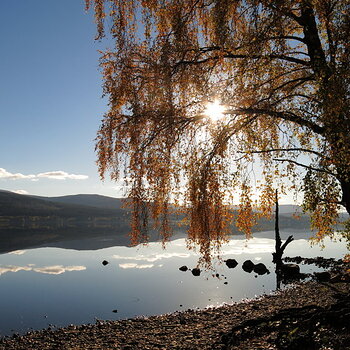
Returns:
(280, 68)
(246, 217)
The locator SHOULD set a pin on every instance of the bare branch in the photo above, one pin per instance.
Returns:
(305, 166)
(297, 82)
(286, 37)
(288, 116)
(289, 14)
(283, 74)
(303, 150)
(242, 56)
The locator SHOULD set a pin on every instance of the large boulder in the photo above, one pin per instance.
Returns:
(248, 266)
(324, 276)
(231, 263)
(260, 269)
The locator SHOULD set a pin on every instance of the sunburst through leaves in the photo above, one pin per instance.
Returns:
(281, 69)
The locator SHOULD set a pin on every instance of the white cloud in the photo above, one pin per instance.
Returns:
(55, 175)
(61, 175)
(4, 174)
(20, 192)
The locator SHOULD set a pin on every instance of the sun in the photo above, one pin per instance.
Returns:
(215, 111)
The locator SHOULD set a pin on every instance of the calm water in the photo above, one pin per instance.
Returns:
(54, 286)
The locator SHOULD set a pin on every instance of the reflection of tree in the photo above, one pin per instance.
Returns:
(282, 71)
(278, 277)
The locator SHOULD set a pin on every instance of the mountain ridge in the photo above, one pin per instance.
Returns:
(13, 204)
(107, 202)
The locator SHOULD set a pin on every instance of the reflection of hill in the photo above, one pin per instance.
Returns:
(68, 238)
(27, 221)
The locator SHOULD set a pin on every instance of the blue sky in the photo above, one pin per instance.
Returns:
(50, 98)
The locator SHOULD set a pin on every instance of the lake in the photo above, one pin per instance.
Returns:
(50, 286)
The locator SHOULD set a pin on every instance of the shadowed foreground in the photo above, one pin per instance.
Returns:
(313, 314)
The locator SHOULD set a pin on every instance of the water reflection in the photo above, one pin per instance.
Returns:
(152, 257)
(63, 286)
(51, 270)
(18, 252)
(6, 269)
(135, 266)
(58, 269)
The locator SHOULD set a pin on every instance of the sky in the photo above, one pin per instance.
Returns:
(51, 100)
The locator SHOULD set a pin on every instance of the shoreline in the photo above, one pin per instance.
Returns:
(192, 329)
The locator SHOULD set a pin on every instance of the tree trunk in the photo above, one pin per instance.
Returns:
(345, 187)
(333, 92)
(279, 247)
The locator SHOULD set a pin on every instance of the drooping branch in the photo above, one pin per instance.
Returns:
(287, 116)
(306, 166)
(243, 56)
(267, 60)
(295, 81)
(281, 75)
(297, 149)
(284, 12)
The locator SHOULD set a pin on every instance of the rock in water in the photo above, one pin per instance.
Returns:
(290, 270)
(196, 271)
(260, 269)
(248, 266)
(183, 268)
(105, 262)
(231, 263)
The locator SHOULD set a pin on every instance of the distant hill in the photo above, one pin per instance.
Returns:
(289, 209)
(83, 209)
(105, 202)
(13, 204)
(92, 200)
(28, 221)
